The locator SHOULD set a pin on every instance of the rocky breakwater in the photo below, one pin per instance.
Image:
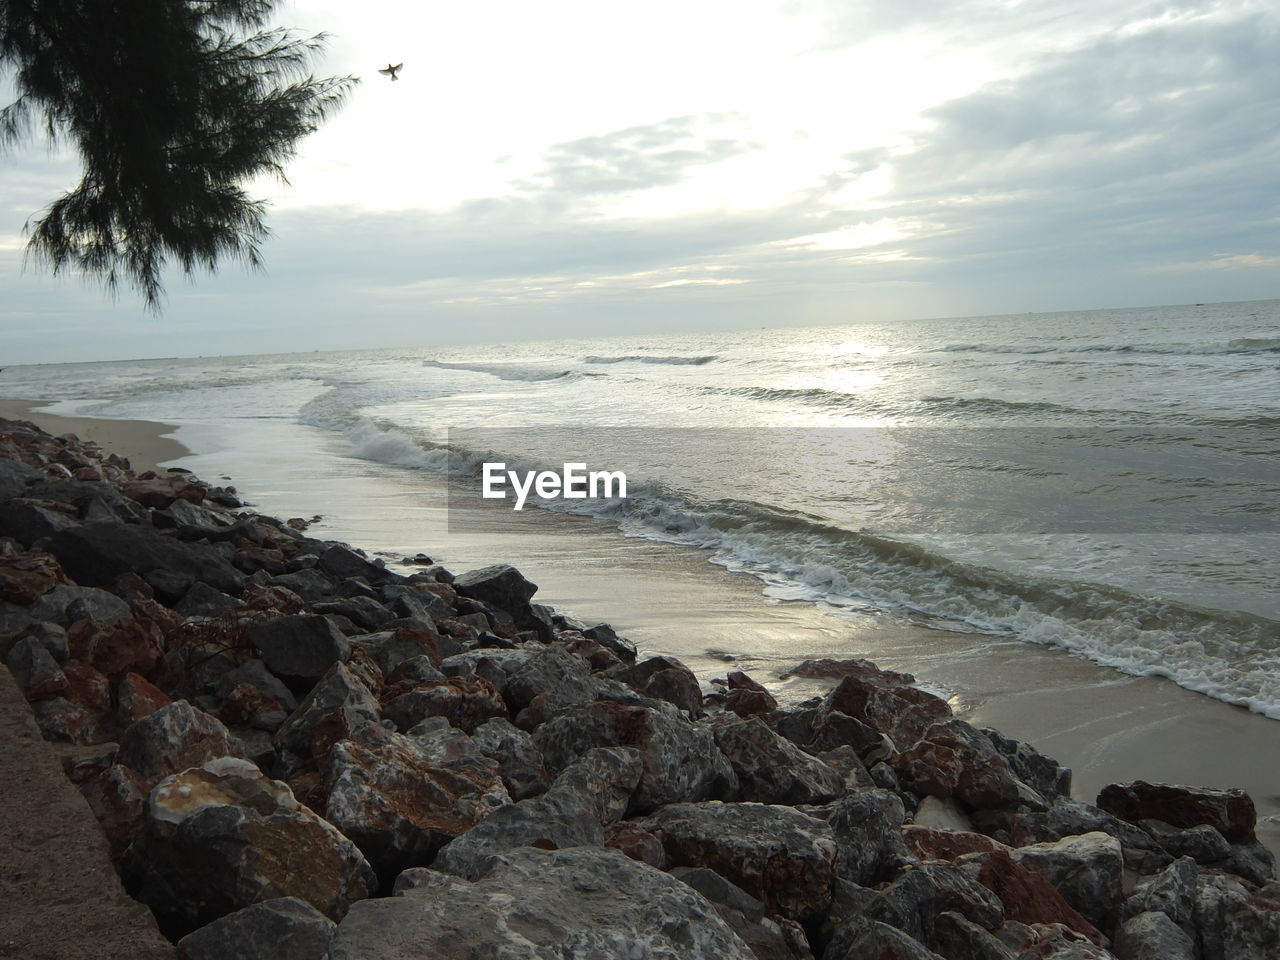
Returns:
(297, 753)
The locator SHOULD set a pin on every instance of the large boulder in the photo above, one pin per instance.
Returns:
(1230, 812)
(541, 905)
(173, 738)
(953, 759)
(867, 826)
(281, 929)
(1086, 870)
(681, 761)
(770, 768)
(336, 706)
(97, 554)
(222, 836)
(1233, 923)
(400, 806)
(886, 701)
(780, 856)
(300, 648)
(517, 756)
(591, 794)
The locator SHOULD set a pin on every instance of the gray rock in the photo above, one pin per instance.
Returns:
(36, 670)
(518, 757)
(341, 562)
(221, 836)
(541, 905)
(300, 647)
(501, 586)
(407, 601)
(175, 737)
(868, 829)
(1202, 843)
(48, 635)
(1152, 936)
(588, 796)
(663, 678)
(912, 901)
(604, 635)
(282, 929)
(67, 603)
(1044, 774)
(29, 520)
(1086, 870)
(97, 554)
(393, 647)
(202, 600)
(256, 674)
(864, 939)
(771, 769)
(780, 856)
(310, 584)
(1172, 892)
(365, 613)
(681, 760)
(1232, 924)
(719, 890)
(957, 938)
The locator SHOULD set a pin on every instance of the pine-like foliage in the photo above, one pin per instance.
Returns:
(172, 105)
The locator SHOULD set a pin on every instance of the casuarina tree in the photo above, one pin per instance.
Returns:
(173, 107)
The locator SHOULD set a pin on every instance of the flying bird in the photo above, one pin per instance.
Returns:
(391, 69)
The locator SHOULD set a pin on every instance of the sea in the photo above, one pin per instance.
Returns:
(1102, 482)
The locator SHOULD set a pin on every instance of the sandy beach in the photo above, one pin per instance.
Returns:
(147, 444)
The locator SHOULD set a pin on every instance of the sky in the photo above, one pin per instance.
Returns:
(587, 168)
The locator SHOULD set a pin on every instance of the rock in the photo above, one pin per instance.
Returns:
(175, 737)
(137, 697)
(555, 679)
(780, 856)
(1172, 892)
(867, 826)
(96, 554)
(941, 814)
(501, 586)
(517, 756)
(1027, 896)
(604, 635)
(393, 647)
(61, 719)
(887, 702)
(770, 769)
(341, 562)
(161, 492)
(400, 807)
(120, 648)
(663, 678)
(222, 836)
(681, 761)
(467, 702)
(582, 902)
(1069, 818)
(1153, 936)
(868, 939)
(299, 648)
(1086, 870)
(29, 520)
(282, 929)
(589, 795)
(1202, 843)
(961, 939)
(25, 576)
(719, 890)
(1230, 812)
(1043, 774)
(48, 635)
(66, 603)
(365, 613)
(37, 672)
(1233, 923)
(932, 843)
(636, 843)
(117, 796)
(953, 759)
(202, 600)
(337, 705)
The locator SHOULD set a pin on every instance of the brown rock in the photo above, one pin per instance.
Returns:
(1028, 897)
(930, 843)
(128, 646)
(1230, 812)
(954, 760)
(466, 702)
(117, 796)
(160, 492)
(887, 702)
(24, 576)
(221, 836)
(637, 843)
(137, 697)
(174, 738)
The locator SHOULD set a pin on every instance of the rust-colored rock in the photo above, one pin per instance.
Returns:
(160, 492)
(1230, 812)
(887, 702)
(117, 796)
(24, 576)
(930, 843)
(637, 843)
(137, 697)
(466, 702)
(1028, 897)
(129, 646)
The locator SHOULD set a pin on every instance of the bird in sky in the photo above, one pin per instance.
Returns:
(391, 69)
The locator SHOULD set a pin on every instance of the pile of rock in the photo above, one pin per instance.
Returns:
(297, 753)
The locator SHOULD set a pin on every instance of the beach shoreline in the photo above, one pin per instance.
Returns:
(147, 444)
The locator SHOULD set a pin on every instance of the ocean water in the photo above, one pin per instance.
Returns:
(1105, 482)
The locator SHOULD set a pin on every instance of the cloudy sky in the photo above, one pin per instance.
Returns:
(578, 167)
